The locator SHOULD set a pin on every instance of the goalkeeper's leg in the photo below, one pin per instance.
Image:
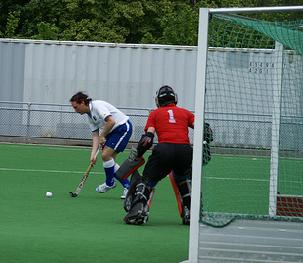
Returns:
(182, 187)
(137, 204)
(154, 171)
(135, 179)
(135, 159)
(130, 165)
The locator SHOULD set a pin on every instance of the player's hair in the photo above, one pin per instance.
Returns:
(166, 95)
(79, 97)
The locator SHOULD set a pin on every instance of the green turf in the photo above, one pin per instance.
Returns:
(236, 184)
(87, 229)
(240, 184)
(291, 174)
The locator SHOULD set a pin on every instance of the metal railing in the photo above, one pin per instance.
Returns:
(59, 121)
(44, 120)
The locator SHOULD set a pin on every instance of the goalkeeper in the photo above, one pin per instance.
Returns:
(173, 153)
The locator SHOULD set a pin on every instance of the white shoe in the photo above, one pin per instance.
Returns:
(125, 191)
(103, 188)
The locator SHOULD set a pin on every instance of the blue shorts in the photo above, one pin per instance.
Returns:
(119, 137)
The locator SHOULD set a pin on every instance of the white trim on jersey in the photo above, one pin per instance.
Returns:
(99, 110)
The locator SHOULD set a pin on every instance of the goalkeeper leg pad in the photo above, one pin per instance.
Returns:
(138, 209)
(177, 193)
(182, 190)
(185, 192)
(135, 180)
(128, 167)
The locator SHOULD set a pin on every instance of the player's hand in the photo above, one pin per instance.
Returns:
(145, 143)
(102, 140)
(93, 160)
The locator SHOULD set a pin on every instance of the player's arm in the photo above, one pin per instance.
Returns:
(151, 129)
(93, 156)
(146, 141)
(191, 120)
(109, 124)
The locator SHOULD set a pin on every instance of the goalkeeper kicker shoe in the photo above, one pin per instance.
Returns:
(103, 188)
(186, 216)
(138, 214)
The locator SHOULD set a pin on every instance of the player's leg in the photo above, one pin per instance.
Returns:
(116, 142)
(124, 182)
(182, 191)
(109, 163)
(135, 179)
(154, 171)
(136, 203)
(182, 177)
(177, 193)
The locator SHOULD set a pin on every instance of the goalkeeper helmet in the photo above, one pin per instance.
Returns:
(166, 95)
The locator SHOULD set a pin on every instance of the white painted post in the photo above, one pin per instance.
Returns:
(275, 132)
(198, 135)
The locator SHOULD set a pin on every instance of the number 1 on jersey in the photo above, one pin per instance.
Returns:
(171, 118)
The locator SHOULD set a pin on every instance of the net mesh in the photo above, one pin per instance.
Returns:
(287, 33)
(254, 105)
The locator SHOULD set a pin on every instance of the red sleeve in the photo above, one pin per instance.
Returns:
(151, 122)
(191, 119)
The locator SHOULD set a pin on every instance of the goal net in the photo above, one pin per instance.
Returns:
(250, 91)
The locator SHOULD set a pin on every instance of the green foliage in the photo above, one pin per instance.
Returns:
(124, 21)
(180, 27)
(46, 31)
(12, 24)
(92, 30)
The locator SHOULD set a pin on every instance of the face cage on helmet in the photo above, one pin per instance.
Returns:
(160, 103)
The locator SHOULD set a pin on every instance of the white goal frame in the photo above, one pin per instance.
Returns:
(204, 14)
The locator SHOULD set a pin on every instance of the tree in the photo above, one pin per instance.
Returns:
(124, 21)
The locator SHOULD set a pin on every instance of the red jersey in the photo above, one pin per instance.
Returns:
(171, 123)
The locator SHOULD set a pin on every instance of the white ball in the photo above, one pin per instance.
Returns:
(48, 194)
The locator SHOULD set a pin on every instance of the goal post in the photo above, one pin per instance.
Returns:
(275, 137)
(249, 88)
(198, 134)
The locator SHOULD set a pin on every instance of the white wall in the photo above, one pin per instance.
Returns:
(239, 83)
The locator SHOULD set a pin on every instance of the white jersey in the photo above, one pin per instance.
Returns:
(99, 110)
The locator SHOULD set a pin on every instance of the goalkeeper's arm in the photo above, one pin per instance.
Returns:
(146, 141)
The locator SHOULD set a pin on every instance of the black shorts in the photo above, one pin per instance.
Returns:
(167, 157)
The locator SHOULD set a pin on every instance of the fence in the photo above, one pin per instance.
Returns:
(33, 121)
(55, 121)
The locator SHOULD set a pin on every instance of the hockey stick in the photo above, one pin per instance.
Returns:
(84, 178)
(82, 182)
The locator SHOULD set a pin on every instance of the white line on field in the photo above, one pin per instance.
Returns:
(44, 171)
(249, 179)
(236, 179)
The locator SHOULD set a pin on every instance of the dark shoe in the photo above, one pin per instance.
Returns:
(138, 215)
(186, 216)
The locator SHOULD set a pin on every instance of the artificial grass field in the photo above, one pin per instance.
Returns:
(240, 184)
(85, 229)
(89, 228)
